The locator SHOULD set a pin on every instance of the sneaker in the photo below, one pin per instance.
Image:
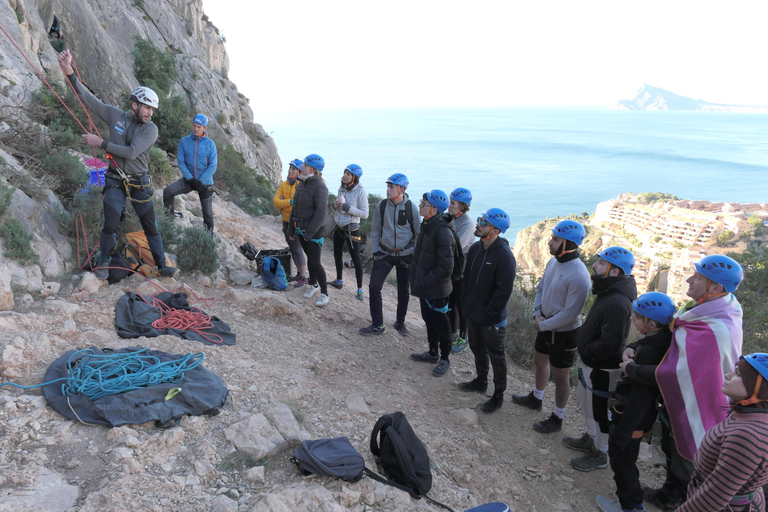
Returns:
(662, 499)
(301, 282)
(609, 505)
(595, 459)
(360, 295)
(178, 215)
(528, 401)
(459, 346)
(476, 385)
(400, 328)
(585, 443)
(493, 404)
(101, 271)
(425, 357)
(322, 301)
(549, 425)
(373, 331)
(442, 368)
(168, 272)
(295, 278)
(338, 284)
(311, 291)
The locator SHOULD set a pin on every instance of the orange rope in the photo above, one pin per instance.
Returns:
(183, 319)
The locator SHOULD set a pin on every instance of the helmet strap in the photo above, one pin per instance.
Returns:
(610, 267)
(706, 295)
(644, 330)
(563, 252)
(753, 399)
(490, 235)
(430, 214)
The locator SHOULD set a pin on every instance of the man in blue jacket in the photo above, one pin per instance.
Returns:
(197, 159)
(489, 275)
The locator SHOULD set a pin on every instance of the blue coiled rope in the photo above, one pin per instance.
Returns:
(100, 375)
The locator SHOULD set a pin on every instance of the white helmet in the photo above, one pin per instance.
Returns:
(146, 96)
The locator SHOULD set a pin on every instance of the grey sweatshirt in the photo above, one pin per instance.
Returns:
(395, 232)
(465, 228)
(357, 200)
(129, 140)
(561, 295)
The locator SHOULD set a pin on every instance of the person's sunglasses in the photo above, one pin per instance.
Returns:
(481, 220)
(424, 204)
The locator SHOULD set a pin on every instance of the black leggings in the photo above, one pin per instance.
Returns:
(352, 239)
(456, 315)
(313, 250)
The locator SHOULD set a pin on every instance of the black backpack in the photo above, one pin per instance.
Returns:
(458, 257)
(336, 458)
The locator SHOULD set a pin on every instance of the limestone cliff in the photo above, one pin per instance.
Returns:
(100, 35)
(649, 97)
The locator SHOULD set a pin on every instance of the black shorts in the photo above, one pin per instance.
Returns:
(559, 346)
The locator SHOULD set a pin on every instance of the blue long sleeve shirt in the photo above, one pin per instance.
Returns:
(197, 158)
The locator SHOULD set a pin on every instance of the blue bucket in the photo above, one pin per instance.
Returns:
(96, 178)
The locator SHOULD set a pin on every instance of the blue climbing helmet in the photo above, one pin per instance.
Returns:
(201, 120)
(570, 230)
(354, 169)
(315, 161)
(656, 306)
(722, 270)
(297, 163)
(438, 199)
(619, 257)
(398, 179)
(462, 195)
(498, 218)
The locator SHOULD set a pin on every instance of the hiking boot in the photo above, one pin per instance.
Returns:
(442, 368)
(373, 331)
(459, 345)
(662, 498)
(549, 425)
(493, 404)
(528, 401)
(580, 444)
(360, 295)
(338, 284)
(168, 271)
(322, 301)
(311, 291)
(301, 282)
(477, 385)
(400, 328)
(425, 357)
(595, 459)
(101, 271)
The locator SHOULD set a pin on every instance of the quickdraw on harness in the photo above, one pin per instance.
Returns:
(127, 182)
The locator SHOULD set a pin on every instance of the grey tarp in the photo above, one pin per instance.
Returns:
(134, 317)
(202, 392)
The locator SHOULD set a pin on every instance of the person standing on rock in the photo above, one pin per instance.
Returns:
(131, 136)
(394, 229)
(351, 207)
(430, 278)
(601, 342)
(490, 276)
(560, 298)
(310, 204)
(461, 199)
(283, 201)
(197, 158)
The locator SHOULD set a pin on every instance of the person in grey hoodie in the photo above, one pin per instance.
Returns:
(350, 207)
(394, 229)
(461, 199)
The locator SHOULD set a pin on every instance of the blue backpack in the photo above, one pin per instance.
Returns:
(274, 274)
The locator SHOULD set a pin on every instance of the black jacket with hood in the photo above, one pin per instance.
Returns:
(602, 338)
(488, 279)
(432, 264)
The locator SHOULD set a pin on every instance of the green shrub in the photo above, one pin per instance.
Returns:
(46, 109)
(5, 198)
(250, 191)
(17, 246)
(153, 67)
(751, 294)
(87, 205)
(197, 251)
(725, 237)
(173, 120)
(70, 173)
(520, 330)
(170, 231)
(160, 168)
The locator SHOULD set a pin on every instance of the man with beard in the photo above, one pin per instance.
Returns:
(601, 342)
(490, 273)
(560, 297)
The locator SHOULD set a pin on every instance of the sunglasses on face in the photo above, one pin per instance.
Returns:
(482, 222)
(424, 205)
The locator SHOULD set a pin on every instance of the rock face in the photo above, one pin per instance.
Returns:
(100, 35)
(649, 97)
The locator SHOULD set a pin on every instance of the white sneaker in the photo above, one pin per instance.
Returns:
(322, 301)
(311, 291)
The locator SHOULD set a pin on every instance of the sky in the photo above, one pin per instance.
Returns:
(339, 54)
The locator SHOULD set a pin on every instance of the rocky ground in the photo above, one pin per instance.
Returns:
(296, 372)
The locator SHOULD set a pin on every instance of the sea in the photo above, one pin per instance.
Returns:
(536, 163)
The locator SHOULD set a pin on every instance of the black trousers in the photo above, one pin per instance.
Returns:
(313, 250)
(623, 458)
(679, 469)
(487, 345)
(438, 326)
(352, 239)
(381, 268)
(182, 186)
(458, 322)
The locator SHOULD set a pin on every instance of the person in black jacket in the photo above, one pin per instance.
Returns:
(633, 404)
(488, 279)
(430, 278)
(601, 342)
(310, 204)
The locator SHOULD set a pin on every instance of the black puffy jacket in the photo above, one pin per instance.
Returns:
(310, 205)
(488, 279)
(430, 270)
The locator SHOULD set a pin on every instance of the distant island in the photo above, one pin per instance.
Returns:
(649, 97)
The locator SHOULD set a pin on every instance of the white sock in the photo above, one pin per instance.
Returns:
(559, 411)
(538, 393)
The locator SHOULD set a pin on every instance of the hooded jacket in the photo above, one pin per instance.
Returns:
(601, 340)
(284, 205)
(430, 270)
(310, 204)
(197, 158)
(394, 231)
(488, 279)
(357, 200)
(465, 228)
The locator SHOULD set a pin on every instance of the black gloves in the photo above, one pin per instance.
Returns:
(196, 184)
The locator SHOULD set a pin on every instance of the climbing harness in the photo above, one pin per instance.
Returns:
(443, 309)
